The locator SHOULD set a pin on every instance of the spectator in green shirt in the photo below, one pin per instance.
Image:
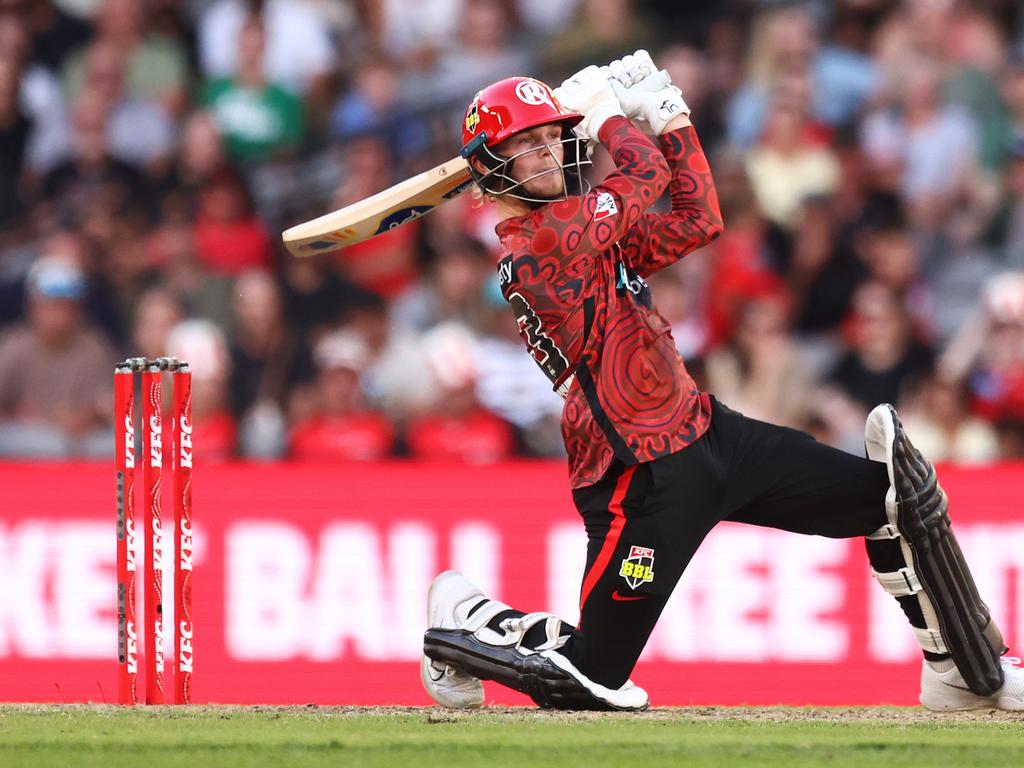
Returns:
(258, 120)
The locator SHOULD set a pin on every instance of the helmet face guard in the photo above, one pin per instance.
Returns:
(505, 109)
(498, 179)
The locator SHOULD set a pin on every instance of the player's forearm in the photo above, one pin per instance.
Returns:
(695, 219)
(692, 187)
(636, 157)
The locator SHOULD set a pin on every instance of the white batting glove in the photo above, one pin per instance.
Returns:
(590, 93)
(645, 93)
(632, 68)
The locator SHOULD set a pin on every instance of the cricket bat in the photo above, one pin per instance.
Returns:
(381, 212)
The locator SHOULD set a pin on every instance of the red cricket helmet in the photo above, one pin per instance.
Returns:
(512, 105)
(505, 108)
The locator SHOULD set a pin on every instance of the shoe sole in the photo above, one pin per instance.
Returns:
(1004, 703)
(472, 699)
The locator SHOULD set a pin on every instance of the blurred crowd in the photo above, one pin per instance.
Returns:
(869, 156)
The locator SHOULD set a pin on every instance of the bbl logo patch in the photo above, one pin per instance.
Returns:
(638, 568)
(472, 119)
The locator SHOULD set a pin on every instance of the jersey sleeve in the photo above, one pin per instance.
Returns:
(661, 239)
(595, 221)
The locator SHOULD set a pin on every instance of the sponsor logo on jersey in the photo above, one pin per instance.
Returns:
(605, 206)
(505, 271)
(534, 93)
(628, 280)
(638, 568)
(541, 346)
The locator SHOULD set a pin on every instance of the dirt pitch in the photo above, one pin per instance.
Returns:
(780, 714)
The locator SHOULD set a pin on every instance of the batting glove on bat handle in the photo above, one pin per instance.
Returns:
(645, 93)
(590, 93)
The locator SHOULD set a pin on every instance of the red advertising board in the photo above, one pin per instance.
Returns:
(310, 581)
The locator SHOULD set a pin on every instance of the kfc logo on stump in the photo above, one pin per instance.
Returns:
(638, 568)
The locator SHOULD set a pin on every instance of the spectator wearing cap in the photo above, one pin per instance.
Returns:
(55, 372)
(341, 427)
(457, 428)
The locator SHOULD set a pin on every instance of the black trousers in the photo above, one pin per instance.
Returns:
(645, 522)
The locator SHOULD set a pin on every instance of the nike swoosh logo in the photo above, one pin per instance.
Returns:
(627, 598)
(958, 687)
(430, 671)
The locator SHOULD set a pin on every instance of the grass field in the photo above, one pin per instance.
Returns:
(198, 737)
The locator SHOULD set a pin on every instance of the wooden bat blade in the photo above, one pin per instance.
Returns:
(378, 213)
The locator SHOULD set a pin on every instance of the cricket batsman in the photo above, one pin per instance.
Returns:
(654, 463)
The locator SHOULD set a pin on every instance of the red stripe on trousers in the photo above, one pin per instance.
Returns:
(611, 539)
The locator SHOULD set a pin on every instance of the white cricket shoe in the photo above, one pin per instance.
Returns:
(943, 688)
(449, 600)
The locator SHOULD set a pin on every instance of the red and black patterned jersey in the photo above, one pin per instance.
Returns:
(573, 271)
